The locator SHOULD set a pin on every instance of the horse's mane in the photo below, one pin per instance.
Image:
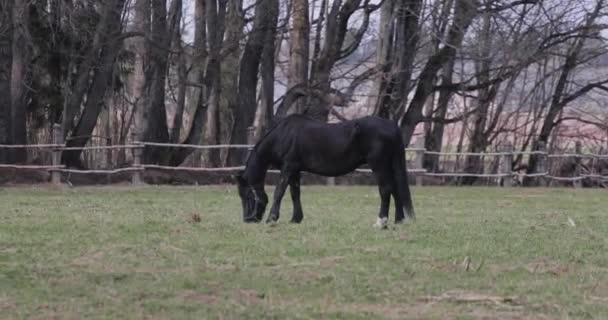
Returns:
(268, 132)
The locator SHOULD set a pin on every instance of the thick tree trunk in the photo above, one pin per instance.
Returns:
(182, 78)
(81, 134)
(434, 142)
(406, 40)
(5, 71)
(212, 126)
(182, 72)
(230, 73)
(138, 84)
(79, 87)
(383, 55)
(332, 51)
(474, 164)
(560, 98)
(268, 67)
(464, 13)
(248, 77)
(299, 48)
(157, 128)
(19, 79)
(216, 16)
(198, 95)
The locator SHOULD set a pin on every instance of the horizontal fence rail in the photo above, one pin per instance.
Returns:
(505, 174)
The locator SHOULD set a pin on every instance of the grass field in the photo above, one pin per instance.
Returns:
(133, 253)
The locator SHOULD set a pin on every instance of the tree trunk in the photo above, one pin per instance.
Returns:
(142, 56)
(19, 80)
(230, 73)
(435, 139)
(560, 98)
(182, 78)
(464, 13)
(182, 74)
(268, 67)
(81, 134)
(157, 128)
(197, 98)
(5, 67)
(299, 48)
(406, 41)
(383, 53)
(479, 142)
(216, 16)
(332, 51)
(248, 77)
(440, 12)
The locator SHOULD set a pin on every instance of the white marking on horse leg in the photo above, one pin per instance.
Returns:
(381, 223)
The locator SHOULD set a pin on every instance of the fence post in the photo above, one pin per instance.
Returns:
(56, 155)
(578, 150)
(418, 160)
(542, 166)
(136, 178)
(505, 165)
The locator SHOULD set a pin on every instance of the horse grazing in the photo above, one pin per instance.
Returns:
(298, 143)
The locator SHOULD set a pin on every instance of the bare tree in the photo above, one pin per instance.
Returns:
(264, 23)
(101, 59)
(562, 96)
(141, 60)
(299, 46)
(215, 34)
(399, 66)
(5, 67)
(464, 13)
(20, 76)
(210, 17)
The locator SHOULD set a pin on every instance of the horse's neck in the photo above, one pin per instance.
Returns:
(256, 168)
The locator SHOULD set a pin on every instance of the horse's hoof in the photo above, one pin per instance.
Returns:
(381, 223)
(296, 220)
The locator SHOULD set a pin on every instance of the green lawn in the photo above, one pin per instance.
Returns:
(473, 253)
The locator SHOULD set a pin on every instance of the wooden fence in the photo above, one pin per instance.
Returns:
(504, 175)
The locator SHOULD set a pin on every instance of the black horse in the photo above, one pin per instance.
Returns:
(298, 143)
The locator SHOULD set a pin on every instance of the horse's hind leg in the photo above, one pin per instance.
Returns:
(399, 213)
(294, 189)
(385, 187)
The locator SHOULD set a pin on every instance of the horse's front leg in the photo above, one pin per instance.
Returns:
(279, 192)
(294, 188)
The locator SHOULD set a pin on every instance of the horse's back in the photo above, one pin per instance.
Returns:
(366, 129)
(377, 125)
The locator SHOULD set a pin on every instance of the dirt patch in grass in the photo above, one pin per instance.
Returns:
(473, 297)
(433, 310)
(7, 304)
(89, 258)
(541, 266)
(241, 296)
(248, 296)
(210, 299)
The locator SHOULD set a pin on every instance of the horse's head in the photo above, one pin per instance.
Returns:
(253, 199)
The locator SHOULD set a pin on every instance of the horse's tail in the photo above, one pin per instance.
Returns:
(401, 179)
